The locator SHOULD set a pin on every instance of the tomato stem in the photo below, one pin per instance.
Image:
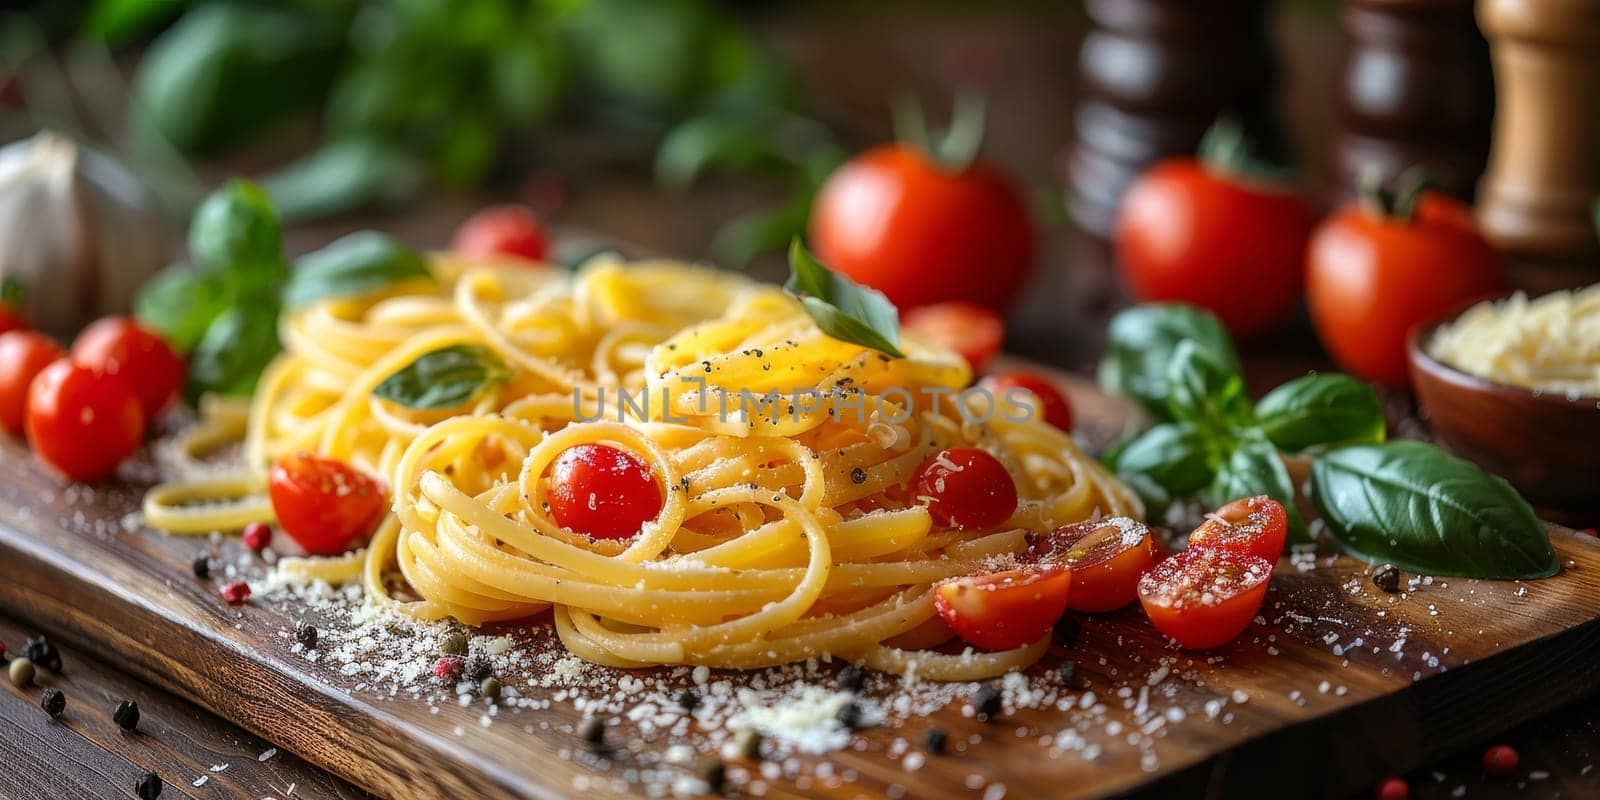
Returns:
(954, 148)
(1399, 204)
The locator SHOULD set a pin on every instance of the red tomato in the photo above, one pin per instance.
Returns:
(1253, 526)
(971, 330)
(1370, 278)
(23, 354)
(894, 220)
(602, 492)
(10, 320)
(503, 230)
(1106, 558)
(1056, 410)
(966, 488)
(1005, 610)
(324, 504)
(1204, 598)
(118, 346)
(82, 421)
(1188, 233)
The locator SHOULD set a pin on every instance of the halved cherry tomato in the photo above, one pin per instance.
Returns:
(1056, 410)
(23, 354)
(324, 504)
(1255, 526)
(1106, 558)
(602, 492)
(971, 330)
(82, 421)
(503, 230)
(1005, 610)
(966, 488)
(118, 346)
(1204, 598)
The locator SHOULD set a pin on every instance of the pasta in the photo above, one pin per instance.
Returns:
(787, 530)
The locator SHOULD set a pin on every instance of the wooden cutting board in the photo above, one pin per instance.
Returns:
(1337, 685)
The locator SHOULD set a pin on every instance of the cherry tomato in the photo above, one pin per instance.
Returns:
(327, 506)
(1370, 278)
(23, 354)
(602, 492)
(1254, 526)
(966, 488)
(118, 346)
(1056, 410)
(1204, 598)
(1005, 610)
(1187, 232)
(503, 230)
(971, 330)
(893, 219)
(1106, 558)
(82, 421)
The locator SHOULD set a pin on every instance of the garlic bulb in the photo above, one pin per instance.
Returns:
(77, 230)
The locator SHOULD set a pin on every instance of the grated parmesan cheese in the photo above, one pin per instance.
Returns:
(1548, 344)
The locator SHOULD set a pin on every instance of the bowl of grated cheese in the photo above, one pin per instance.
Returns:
(1513, 384)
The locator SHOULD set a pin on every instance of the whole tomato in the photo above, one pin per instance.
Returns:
(1193, 232)
(119, 346)
(1372, 273)
(83, 421)
(23, 354)
(898, 221)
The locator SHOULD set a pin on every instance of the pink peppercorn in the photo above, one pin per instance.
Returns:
(236, 593)
(1500, 761)
(1393, 789)
(257, 536)
(448, 669)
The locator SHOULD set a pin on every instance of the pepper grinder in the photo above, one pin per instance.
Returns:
(1536, 201)
(1416, 89)
(1156, 74)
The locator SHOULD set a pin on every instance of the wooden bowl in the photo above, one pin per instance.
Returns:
(1547, 445)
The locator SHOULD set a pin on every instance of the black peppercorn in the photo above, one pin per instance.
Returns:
(1387, 578)
(852, 678)
(1067, 673)
(201, 566)
(42, 653)
(53, 702)
(858, 476)
(688, 699)
(478, 669)
(127, 715)
(849, 716)
(1066, 630)
(936, 741)
(306, 635)
(148, 787)
(715, 774)
(986, 703)
(593, 733)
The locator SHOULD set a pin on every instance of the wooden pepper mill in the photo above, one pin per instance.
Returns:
(1416, 88)
(1156, 74)
(1536, 201)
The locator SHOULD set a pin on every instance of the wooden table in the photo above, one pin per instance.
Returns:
(851, 63)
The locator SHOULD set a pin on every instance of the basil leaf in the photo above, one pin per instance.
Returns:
(356, 264)
(180, 304)
(1140, 344)
(842, 309)
(236, 227)
(1175, 456)
(1204, 392)
(445, 378)
(1413, 505)
(236, 348)
(1255, 468)
(1321, 410)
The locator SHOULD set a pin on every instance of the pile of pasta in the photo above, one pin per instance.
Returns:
(788, 530)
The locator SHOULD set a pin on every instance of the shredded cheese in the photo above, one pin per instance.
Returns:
(1548, 344)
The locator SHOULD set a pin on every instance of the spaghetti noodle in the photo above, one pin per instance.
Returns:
(788, 529)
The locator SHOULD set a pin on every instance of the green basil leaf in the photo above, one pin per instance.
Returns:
(1413, 505)
(445, 378)
(342, 176)
(1204, 392)
(842, 309)
(1321, 410)
(236, 227)
(1140, 343)
(181, 303)
(1255, 468)
(236, 348)
(356, 264)
(1176, 456)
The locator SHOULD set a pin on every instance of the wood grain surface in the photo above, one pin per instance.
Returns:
(1318, 696)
